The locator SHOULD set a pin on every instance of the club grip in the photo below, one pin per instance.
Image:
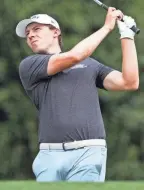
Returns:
(135, 29)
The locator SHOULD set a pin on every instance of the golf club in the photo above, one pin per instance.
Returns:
(133, 28)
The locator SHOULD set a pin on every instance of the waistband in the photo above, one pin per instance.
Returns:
(72, 145)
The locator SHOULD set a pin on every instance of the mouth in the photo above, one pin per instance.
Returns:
(33, 42)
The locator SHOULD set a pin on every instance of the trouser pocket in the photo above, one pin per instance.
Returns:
(39, 164)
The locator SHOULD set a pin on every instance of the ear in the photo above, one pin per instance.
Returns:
(57, 32)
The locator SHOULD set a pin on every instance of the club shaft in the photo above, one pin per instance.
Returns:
(133, 28)
(101, 4)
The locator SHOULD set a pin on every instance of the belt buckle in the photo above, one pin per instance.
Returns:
(67, 149)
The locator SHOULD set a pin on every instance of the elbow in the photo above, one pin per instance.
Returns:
(134, 86)
(76, 56)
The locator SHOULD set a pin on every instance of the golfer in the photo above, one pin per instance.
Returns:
(63, 87)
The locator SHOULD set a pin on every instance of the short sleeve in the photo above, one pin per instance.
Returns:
(33, 69)
(101, 72)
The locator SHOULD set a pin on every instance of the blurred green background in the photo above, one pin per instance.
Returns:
(123, 112)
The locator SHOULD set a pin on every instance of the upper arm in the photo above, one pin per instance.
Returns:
(34, 69)
(115, 82)
(62, 61)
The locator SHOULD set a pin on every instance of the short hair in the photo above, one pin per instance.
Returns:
(51, 27)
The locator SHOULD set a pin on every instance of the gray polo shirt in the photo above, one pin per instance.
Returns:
(67, 103)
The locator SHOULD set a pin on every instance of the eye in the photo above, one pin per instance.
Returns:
(27, 33)
(37, 28)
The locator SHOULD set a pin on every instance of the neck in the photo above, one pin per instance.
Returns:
(53, 50)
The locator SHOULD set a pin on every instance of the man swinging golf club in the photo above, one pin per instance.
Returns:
(63, 87)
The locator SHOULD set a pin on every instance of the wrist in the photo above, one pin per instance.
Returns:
(106, 29)
(127, 35)
(126, 39)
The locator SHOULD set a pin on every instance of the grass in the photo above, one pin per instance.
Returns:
(32, 185)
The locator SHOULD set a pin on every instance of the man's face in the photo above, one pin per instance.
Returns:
(39, 37)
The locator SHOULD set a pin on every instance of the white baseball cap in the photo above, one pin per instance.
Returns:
(39, 18)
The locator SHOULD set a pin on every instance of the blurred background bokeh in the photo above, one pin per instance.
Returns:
(123, 112)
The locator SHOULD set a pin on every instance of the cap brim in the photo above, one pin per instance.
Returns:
(21, 27)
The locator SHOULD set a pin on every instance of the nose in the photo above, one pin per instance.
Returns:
(31, 35)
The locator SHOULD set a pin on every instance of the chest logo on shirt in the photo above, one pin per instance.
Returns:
(79, 66)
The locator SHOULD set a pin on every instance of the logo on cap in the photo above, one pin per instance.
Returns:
(52, 22)
(35, 17)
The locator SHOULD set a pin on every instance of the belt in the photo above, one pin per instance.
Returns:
(72, 145)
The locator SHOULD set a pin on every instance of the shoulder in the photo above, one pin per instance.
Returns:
(98, 64)
(94, 61)
(27, 61)
(33, 58)
(33, 61)
(91, 62)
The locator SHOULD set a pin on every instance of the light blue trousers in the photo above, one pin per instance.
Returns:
(82, 165)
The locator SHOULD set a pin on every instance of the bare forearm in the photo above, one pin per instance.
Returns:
(130, 69)
(87, 46)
